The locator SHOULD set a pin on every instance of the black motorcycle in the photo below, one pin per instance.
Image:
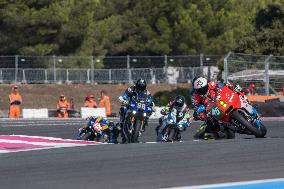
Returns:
(136, 116)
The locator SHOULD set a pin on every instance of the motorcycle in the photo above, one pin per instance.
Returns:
(139, 110)
(233, 110)
(93, 131)
(174, 122)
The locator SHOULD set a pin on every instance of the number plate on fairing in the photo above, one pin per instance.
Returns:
(245, 104)
(216, 112)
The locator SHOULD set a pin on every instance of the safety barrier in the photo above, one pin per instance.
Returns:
(35, 113)
(88, 112)
(259, 98)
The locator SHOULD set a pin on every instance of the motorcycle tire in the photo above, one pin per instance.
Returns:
(229, 133)
(137, 128)
(263, 131)
(87, 136)
(240, 118)
(172, 134)
(200, 133)
(126, 137)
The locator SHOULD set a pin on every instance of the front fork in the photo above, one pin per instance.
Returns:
(256, 119)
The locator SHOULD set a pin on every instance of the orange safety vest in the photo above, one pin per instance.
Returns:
(105, 103)
(15, 97)
(90, 104)
(14, 110)
(62, 104)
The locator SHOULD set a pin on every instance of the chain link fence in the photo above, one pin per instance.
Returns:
(265, 71)
(109, 69)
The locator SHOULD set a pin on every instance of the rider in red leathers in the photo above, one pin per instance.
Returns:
(203, 92)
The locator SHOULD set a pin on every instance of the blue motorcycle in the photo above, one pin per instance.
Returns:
(94, 130)
(139, 110)
(174, 122)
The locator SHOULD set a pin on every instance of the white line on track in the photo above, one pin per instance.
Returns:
(50, 143)
(229, 184)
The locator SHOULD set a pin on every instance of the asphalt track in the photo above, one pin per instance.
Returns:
(143, 165)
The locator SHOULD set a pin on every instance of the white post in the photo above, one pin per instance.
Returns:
(16, 67)
(88, 75)
(24, 76)
(201, 64)
(226, 70)
(45, 76)
(1, 76)
(109, 76)
(54, 68)
(92, 69)
(266, 75)
(67, 76)
(166, 67)
(153, 80)
(129, 69)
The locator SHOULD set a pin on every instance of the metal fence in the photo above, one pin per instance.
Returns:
(115, 69)
(265, 71)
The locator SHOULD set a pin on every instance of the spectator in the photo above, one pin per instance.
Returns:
(15, 100)
(251, 89)
(62, 107)
(105, 102)
(90, 102)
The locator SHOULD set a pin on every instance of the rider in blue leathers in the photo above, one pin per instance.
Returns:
(178, 106)
(140, 88)
(111, 134)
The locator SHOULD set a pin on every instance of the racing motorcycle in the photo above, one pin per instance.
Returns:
(233, 110)
(174, 122)
(93, 131)
(139, 110)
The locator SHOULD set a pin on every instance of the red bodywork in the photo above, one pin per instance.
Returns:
(226, 101)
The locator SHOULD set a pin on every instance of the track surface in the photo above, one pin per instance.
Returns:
(144, 165)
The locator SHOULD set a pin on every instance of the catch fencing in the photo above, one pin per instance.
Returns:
(265, 71)
(109, 69)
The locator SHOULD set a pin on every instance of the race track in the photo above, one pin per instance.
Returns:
(143, 165)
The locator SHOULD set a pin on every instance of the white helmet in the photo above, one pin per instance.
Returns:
(200, 85)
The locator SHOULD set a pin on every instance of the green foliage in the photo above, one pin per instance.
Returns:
(144, 27)
(268, 34)
(162, 98)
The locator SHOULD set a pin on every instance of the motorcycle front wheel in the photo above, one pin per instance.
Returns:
(86, 136)
(137, 128)
(243, 121)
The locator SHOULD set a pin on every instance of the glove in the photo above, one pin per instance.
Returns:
(200, 109)
(125, 102)
(164, 111)
(238, 88)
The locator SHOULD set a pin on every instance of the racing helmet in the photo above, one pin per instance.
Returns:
(141, 85)
(200, 85)
(179, 101)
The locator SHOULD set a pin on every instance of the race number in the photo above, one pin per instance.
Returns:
(216, 111)
(141, 106)
(97, 127)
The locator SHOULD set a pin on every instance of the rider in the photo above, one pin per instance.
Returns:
(202, 93)
(139, 88)
(111, 133)
(179, 106)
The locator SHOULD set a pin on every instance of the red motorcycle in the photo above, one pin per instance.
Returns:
(233, 109)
